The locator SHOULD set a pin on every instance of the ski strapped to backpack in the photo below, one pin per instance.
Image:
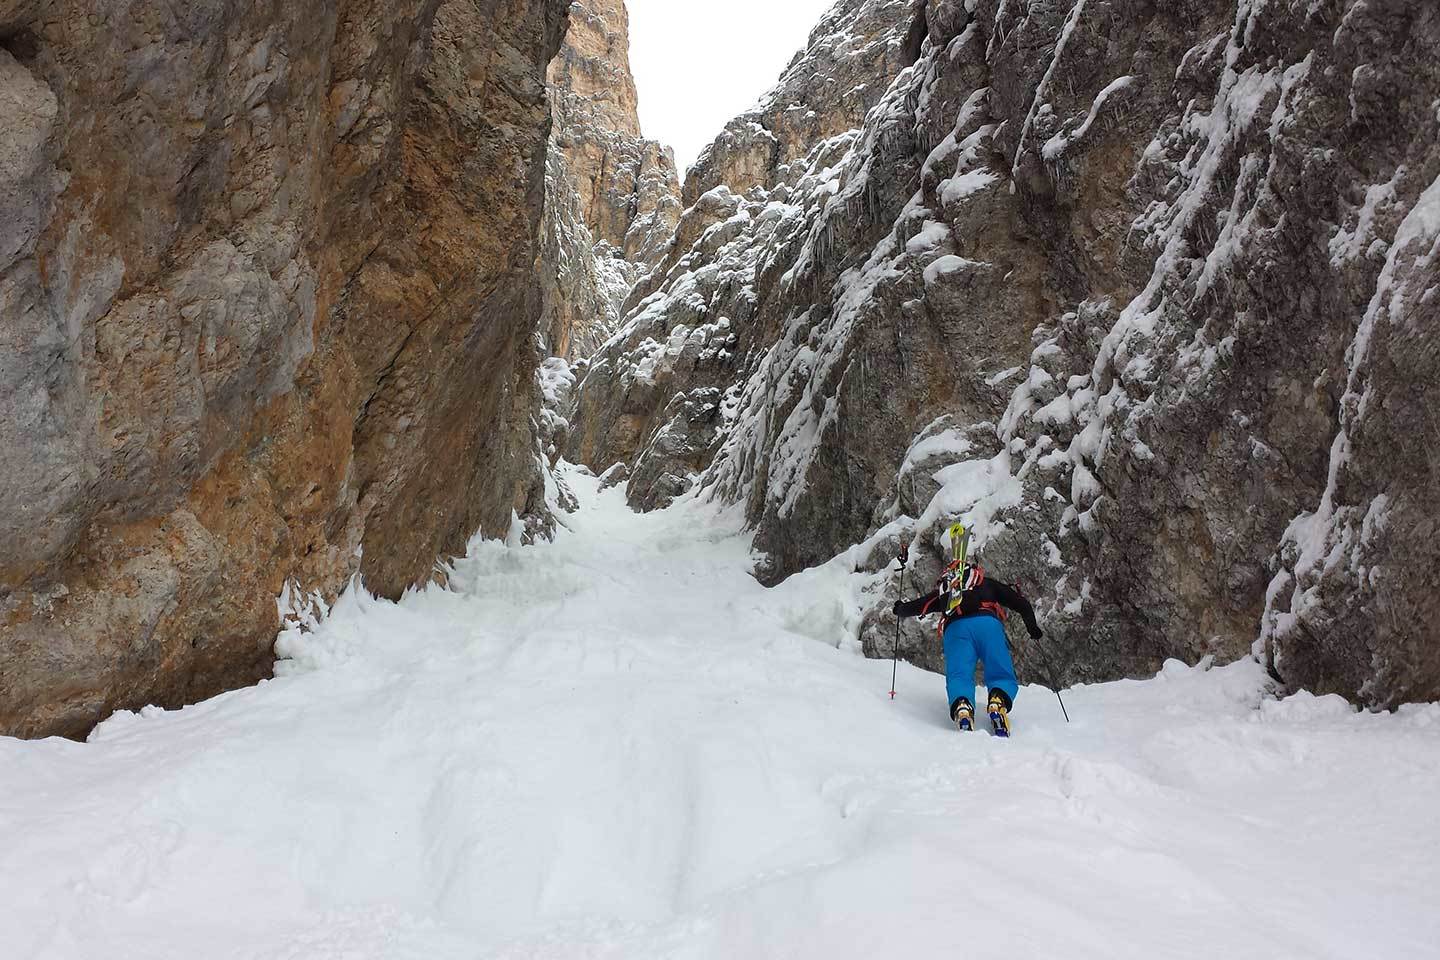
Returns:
(963, 580)
(959, 578)
(959, 536)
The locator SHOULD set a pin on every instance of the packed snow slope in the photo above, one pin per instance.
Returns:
(620, 745)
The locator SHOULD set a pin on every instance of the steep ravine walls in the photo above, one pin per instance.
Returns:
(1147, 291)
(268, 306)
(653, 397)
(612, 196)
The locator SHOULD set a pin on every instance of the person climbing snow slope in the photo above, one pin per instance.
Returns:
(972, 607)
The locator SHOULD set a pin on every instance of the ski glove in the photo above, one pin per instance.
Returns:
(896, 609)
(1037, 634)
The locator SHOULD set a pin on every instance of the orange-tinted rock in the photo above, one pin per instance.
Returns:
(267, 300)
(613, 196)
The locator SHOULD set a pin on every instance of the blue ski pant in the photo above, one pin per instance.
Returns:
(978, 640)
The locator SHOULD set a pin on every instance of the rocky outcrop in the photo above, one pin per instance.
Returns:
(612, 196)
(582, 282)
(627, 185)
(267, 316)
(655, 398)
(853, 54)
(1146, 292)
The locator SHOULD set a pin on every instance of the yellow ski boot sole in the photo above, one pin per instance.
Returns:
(999, 719)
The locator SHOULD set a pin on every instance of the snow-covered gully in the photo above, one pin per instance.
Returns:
(618, 745)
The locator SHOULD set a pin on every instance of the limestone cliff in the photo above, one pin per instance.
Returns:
(613, 196)
(850, 59)
(1147, 292)
(655, 398)
(267, 315)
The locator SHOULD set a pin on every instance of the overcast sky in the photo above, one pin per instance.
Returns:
(699, 64)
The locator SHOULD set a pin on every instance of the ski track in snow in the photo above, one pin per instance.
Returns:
(620, 746)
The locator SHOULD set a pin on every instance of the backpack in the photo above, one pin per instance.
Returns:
(958, 580)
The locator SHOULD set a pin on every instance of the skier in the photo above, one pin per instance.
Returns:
(972, 606)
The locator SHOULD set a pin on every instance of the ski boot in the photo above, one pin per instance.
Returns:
(963, 714)
(999, 710)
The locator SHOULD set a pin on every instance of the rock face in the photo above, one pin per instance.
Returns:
(853, 54)
(1147, 292)
(612, 196)
(267, 300)
(655, 399)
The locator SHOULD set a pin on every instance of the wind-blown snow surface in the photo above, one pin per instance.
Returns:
(619, 745)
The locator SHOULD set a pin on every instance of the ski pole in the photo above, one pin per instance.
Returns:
(895, 660)
(1053, 681)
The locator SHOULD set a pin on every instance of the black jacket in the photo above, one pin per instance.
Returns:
(979, 602)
